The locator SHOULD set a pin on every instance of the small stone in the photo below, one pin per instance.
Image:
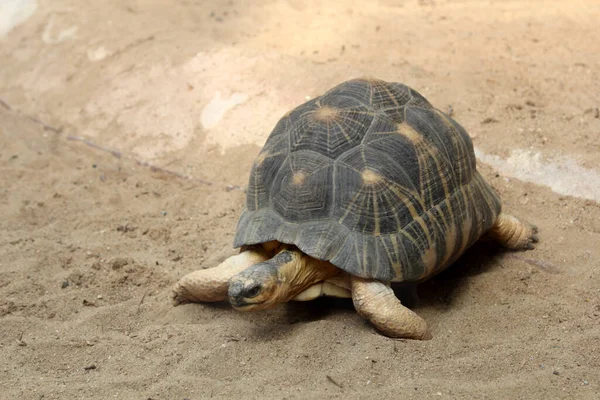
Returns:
(556, 372)
(164, 213)
(489, 120)
(119, 263)
(99, 297)
(64, 284)
(586, 383)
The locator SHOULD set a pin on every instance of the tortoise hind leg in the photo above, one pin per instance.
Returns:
(377, 302)
(514, 233)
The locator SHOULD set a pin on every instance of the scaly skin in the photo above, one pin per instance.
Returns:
(298, 277)
(513, 233)
(377, 302)
(292, 275)
(211, 284)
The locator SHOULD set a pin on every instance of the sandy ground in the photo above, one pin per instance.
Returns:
(90, 243)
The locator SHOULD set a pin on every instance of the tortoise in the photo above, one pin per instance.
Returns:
(365, 185)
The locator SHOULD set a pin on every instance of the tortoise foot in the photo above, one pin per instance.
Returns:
(513, 233)
(377, 302)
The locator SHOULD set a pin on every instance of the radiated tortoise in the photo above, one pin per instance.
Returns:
(363, 186)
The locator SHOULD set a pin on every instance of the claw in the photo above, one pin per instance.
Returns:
(514, 233)
(177, 298)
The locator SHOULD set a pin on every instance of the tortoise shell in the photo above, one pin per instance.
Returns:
(371, 177)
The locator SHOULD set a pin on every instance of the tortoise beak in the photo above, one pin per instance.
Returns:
(242, 296)
(236, 294)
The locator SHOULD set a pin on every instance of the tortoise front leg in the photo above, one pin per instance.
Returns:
(211, 284)
(514, 233)
(377, 302)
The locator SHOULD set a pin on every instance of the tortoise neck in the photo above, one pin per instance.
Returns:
(301, 273)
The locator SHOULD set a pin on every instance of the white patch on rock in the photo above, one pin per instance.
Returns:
(15, 12)
(216, 109)
(99, 54)
(63, 34)
(562, 174)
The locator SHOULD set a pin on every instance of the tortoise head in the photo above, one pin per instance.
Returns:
(277, 280)
(262, 285)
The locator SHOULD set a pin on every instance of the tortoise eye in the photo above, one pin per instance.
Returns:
(253, 291)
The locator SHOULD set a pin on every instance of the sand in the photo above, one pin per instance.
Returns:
(92, 238)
